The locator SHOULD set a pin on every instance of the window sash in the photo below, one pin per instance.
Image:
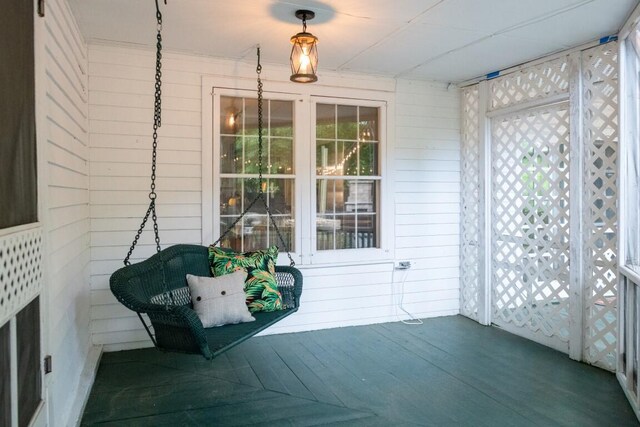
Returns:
(323, 249)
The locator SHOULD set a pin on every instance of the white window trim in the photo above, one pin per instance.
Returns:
(305, 96)
(349, 255)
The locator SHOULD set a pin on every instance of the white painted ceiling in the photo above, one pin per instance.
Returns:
(443, 40)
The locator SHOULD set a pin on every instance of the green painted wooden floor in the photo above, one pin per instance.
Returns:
(449, 371)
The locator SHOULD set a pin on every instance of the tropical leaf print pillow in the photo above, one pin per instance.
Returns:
(260, 287)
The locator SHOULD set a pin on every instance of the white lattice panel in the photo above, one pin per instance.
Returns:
(20, 270)
(540, 81)
(600, 95)
(470, 202)
(530, 236)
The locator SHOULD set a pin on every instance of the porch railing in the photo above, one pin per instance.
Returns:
(629, 335)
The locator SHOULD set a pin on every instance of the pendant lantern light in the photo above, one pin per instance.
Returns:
(304, 53)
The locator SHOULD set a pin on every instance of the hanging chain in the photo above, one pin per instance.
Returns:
(260, 124)
(261, 181)
(157, 122)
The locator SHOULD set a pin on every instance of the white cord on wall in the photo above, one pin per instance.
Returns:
(402, 266)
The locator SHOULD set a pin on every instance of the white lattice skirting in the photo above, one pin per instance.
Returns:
(20, 269)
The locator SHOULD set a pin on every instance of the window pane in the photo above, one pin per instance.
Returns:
(251, 192)
(281, 156)
(367, 230)
(362, 196)
(368, 124)
(279, 193)
(251, 116)
(233, 238)
(230, 115)
(347, 122)
(346, 158)
(281, 118)
(231, 154)
(251, 154)
(230, 196)
(286, 226)
(325, 232)
(325, 196)
(326, 158)
(325, 121)
(341, 194)
(368, 159)
(255, 232)
(346, 232)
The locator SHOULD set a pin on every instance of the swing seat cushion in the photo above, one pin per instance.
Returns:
(261, 287)
(220, 300)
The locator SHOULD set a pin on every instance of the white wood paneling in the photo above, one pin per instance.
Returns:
(425, 179)
(66, 221)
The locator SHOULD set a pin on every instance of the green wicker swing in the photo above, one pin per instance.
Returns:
(158, 287)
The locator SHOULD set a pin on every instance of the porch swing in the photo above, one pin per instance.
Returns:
(158, 286)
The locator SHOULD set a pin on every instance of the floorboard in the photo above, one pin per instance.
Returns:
(450, 371)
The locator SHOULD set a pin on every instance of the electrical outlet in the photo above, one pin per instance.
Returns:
(403, 265)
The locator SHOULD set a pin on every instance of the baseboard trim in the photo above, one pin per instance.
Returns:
(87, 378)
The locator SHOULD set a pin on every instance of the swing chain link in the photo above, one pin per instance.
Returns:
(157, 123)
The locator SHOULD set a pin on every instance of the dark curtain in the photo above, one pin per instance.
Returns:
(18, 181)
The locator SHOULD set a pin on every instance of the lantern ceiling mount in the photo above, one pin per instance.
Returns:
(305, 15)
(304, 53)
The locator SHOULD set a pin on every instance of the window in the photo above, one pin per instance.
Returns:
(347, 177)
(324, 172)
(239, 172)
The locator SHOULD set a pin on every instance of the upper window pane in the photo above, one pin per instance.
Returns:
(325, 121)
(281, 114)
(347, 122)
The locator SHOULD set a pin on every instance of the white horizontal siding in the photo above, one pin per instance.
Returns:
(67, 220)
(427, 192)
(426, 186)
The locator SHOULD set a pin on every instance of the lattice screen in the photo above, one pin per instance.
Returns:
(530, 179)
(540, 81)
(600, 94)
(20, 270)
(470, 202)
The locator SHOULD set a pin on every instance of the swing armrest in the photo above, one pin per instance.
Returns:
(180, 328)
(290, 276)
(189, 316)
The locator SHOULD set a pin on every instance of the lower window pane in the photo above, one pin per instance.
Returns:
(286, 227)
(366, 233)
(346, 237)
(255, 231)
(230, 196)
(325, 232)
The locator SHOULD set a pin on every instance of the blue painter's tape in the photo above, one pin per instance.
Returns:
(608, 39)
(493, 75)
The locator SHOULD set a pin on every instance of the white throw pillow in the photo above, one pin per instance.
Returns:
(220, 300)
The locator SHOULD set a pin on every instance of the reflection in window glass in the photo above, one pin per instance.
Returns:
(239, 168)
(347, 177)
